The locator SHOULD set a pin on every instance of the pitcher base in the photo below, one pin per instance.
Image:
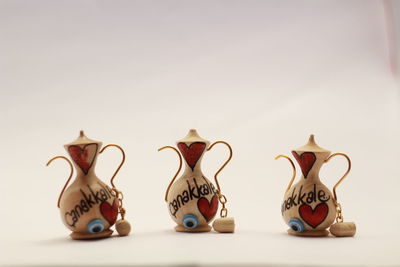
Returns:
(315, 233)
(80, 236)
(199, 229)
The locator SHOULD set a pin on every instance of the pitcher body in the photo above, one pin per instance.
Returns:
(88, 206)
(309, 208)
(192, 199)
(192, 203)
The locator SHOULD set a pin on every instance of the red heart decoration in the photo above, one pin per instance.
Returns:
(109, 212)
(316, 216)
(206, 208)
(192, 153)
(82, 155)
(306, 161)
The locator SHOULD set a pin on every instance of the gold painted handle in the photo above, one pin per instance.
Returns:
(69, 178)
(294, 170)
(344, 176)
(120, 165)
(176, 174)
(223, 165)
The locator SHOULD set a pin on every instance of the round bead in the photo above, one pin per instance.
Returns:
(123, 227)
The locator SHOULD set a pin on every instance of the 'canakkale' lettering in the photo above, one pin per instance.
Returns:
(87, 202)
(301, 198)
(192, 192)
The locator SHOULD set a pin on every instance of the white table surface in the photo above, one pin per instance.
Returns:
(244, 248)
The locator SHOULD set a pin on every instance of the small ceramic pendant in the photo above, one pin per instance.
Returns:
(192, 199)
(309, 208)
(88, 206)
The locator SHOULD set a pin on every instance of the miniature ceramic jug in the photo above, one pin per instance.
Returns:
(309, 208)
(88, 206)
(192, 199)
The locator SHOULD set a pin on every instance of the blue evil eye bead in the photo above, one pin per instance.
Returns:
(190, 221)
(296, 225)
(95, 226)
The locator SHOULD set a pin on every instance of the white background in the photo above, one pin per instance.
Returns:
(262, 75)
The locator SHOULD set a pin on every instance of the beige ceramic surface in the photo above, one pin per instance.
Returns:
(182, 184)
(72, 203)
(309, 200)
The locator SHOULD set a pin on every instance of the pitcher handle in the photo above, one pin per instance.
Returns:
(223, 165)
(120, 165)
(69, 178)
(176, 174)
(294, 170)
(344, 176)
(221, 197)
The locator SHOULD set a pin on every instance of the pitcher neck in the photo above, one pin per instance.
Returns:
(196, 171)
(312, 177)
(313, 173)
(82, 175)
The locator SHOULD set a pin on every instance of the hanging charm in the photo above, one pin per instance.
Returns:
(341, 228)
(192, 199)
(309, 208)
(122, 226)
(224, 224)
(88, 206)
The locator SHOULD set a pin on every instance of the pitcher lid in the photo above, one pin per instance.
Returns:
(193, 137)
(82, 140)
(312, 146)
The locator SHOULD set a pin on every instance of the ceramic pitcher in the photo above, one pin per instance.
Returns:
(192, 199)
(88, 206)
(309, 207)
